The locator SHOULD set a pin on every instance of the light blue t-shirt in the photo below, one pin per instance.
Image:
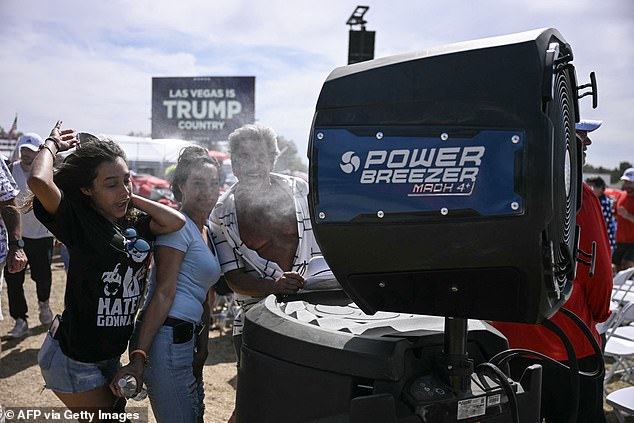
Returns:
(198, 272)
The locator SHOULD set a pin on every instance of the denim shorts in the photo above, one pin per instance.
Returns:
(65, 375)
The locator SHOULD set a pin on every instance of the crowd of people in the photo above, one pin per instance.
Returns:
(38, 246)
(116, 240)
(257, 235)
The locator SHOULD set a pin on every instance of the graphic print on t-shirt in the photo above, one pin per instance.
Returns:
(122, 286)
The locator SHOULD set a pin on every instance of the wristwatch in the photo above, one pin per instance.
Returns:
(17, 243)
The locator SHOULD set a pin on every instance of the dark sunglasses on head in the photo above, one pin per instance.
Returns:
(85, 137)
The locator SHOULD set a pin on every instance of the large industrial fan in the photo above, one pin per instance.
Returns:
(447, 182)
(442, 183)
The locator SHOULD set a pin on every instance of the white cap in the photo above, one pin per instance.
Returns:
(32, 141)
(588, 125)
(628, 175)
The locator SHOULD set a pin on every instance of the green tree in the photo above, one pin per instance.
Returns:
(615, 173)
(138, 134)
(591, 169)
(615, 176)
(289, 158)
(4, 134)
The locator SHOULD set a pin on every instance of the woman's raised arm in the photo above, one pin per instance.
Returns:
(40, 181)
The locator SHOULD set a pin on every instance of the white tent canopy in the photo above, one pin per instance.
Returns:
(145, 155)
(149, 155)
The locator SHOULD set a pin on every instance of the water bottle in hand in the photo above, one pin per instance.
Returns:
(127, 386)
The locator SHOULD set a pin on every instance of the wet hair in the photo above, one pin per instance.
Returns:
(253, 132)
(79, 169)
(189, 158)
(597, 181)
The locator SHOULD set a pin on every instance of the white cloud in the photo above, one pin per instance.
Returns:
(91, 63)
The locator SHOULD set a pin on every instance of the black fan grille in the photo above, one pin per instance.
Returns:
(565, 177)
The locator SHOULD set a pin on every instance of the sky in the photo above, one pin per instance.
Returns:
(91, 63)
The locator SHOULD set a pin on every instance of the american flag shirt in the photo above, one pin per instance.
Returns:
(607, 206)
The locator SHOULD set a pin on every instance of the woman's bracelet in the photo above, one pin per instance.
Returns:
(54, 141)
(44, 146)
(141, 353)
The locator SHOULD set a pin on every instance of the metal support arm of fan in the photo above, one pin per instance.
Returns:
(592, 256)
(593, 90)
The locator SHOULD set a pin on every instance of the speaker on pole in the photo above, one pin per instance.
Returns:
(360, 42)
(360, 46)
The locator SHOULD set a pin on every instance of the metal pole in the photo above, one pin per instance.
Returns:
(455, 350)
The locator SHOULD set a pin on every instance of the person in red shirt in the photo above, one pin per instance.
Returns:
(590, 301)
(623, 257)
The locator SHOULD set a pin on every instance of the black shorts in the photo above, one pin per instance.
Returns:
(623, 252)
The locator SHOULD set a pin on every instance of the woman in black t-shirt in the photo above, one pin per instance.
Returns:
(88, 205)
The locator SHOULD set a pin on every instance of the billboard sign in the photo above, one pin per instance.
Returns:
(201, 108)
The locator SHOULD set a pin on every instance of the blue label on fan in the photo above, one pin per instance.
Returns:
(375, 172)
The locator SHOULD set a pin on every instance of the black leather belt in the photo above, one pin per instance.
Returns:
(174, 322)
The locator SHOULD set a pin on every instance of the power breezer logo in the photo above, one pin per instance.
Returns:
(429, 171)
(350, 162)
